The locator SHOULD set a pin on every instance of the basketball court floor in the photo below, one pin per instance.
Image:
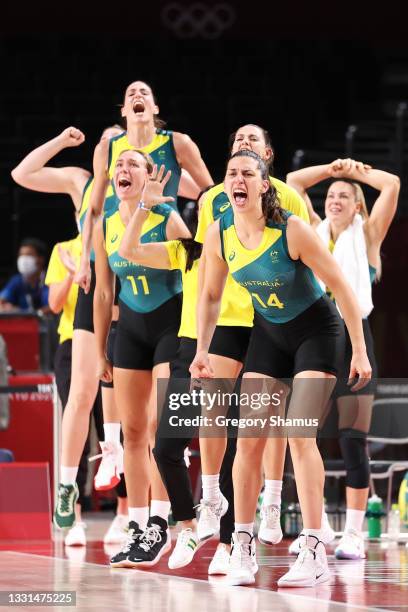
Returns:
(380, 582)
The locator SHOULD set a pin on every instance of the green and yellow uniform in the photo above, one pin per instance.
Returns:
(143, 289)
(162, 152)
(280, 288)
(216, 202)
(236, 307)
(109, 206)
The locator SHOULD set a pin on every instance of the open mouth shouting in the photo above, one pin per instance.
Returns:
(123, 185)
(239, 197)
(138, 107)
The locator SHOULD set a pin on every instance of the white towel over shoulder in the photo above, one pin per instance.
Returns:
(350, 252)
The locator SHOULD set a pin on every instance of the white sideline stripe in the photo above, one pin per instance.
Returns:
(212, 586)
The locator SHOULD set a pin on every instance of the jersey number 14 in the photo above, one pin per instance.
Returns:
(273, 300)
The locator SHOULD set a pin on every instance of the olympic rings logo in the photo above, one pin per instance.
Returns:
(198, 20)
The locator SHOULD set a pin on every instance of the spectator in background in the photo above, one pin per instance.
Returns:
(26, 290)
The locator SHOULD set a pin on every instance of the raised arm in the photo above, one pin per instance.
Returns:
(301, 180)
(189, 158)
(32, 172)
(176, 228)
(188, 188)
(385, 206)
(103, 302)
(152, 254)
(304, 243)
(95, 208)
(209, 301)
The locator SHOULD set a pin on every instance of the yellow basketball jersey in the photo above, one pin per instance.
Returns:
(56, 273)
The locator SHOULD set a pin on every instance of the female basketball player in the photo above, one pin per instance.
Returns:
(33, 173)
(355, 238)
(236, 318)
(143, 132)
(227, 354)
(296, 333)
(146, 341)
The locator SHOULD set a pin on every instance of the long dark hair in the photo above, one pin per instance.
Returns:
(271, 207)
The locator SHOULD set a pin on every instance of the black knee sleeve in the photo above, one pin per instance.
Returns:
(167, 451)
(353, 444)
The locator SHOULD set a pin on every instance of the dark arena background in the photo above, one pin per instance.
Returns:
(327, 80)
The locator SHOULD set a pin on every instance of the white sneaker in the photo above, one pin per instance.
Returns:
(310, 568)
(111, 466)
(242, 565)
(327, 536)
(270, 531)
(117, 532)
(220, 561)
(208, 523)
(351, 546)
(186, 546)
(76, 535)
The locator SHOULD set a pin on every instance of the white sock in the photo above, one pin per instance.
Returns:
(140, 516)
(317, 533)
(272, 493)
(248, 527)
(160, 508)
(211, 488)
(112, 432)
(68, 475)
(354, 520)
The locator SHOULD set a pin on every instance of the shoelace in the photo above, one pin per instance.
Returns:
(108, 452)
(207, 510)
(271, 513)
(64, 499)
(130, 540)
(303, 554)
(184, 537)
(150, 537)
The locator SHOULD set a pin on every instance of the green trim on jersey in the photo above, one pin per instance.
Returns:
(142, 289)
(281, 288)
(162, 152)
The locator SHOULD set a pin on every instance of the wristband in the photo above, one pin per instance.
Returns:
(143, 207)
